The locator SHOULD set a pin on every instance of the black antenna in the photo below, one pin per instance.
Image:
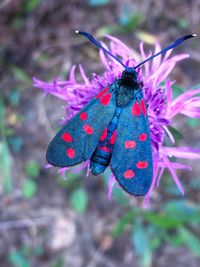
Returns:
(95, 42)
(174, 44)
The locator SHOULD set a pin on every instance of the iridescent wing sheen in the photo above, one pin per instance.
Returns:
(77, 140)
(131, 160)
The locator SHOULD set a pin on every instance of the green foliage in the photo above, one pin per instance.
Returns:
(183, 23)
(193, 122)
(29, 188)
(21, 75)
(2, 114)
(17, 22)
(128, 26)
(32, 169)
(98, 2)
(195, 183)
(141, 243)
(5, 156)
(174, 223)
(15, 142)
(14, 97)
(59, 262)
(5, 167)
(70, 181)
(21, 257)
(177, 90)
(30, 5)
(122, 223)
(190, 240)
(79, 200)
(17, 259)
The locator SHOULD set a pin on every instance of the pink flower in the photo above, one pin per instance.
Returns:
(157, 90)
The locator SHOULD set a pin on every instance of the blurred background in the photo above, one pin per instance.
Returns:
(46, 220)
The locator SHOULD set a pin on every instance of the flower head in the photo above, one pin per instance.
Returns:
(157, 91)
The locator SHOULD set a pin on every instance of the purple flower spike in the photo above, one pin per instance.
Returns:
(157, 91)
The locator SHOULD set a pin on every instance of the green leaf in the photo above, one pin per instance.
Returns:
(174, 239)
(195, 183)
(186, 211)
(17, 259)
(14, 97)
(2, 115)
(5, 167)
(15, 142)
(122, 223)
(17, 22)
(38, 250)
(193, 122)
(79, 200)
(32, 169)
(29, 188)
(174, 214)
(21, 75)
(30, 5)
(190, 240)
(70, 181)
(177, 90)
(141, 243)
(183, 23)
(130, 26)
(98, 2)
(162, 220)
(58, 262)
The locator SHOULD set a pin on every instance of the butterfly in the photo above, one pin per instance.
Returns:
(112, 130)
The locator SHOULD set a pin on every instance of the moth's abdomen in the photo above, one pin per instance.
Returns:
(102, 154)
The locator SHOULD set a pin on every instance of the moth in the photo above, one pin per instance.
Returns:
(111, 130)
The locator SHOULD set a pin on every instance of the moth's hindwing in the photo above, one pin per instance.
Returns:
(131, 160)
(77, 140)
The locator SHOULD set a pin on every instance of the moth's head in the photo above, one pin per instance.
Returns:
(129, 77)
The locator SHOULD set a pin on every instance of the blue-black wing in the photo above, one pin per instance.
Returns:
(77, 140)
(131, 160)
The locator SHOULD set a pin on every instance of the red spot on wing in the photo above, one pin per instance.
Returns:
(88, 129)
(70, 153)
(105, 100)
(143, 107)
(129, 174)
(104, 135)
(83, 116)
(143, 137)
(135, 109)
(130, 144)
(102, 92)
(142, 164)
(105, 148)
(113, 137)
(67, 137)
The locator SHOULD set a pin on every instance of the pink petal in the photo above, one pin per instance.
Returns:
(183, 152)
(155, 171)
(159, 176)
(174, 175)
(83, 74)
(111, 183)
(169, 134)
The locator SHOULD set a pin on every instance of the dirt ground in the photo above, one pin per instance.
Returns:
(38, 40)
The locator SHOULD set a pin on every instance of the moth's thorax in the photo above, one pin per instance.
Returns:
(127, 86)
